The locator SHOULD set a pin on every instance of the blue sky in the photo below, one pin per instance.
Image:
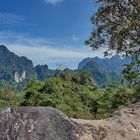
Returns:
(48, 31)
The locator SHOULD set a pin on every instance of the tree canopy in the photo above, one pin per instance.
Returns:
(116, 26)
(78, 96)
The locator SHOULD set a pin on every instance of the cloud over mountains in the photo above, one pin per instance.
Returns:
(44, 51)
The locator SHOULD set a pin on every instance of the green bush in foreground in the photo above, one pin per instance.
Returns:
(78, 96)
(74, 94)
(8, 98)
(70, 94)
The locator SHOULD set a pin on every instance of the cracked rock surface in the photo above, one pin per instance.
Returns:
(35, 123)
(47, 123)
(123, 124)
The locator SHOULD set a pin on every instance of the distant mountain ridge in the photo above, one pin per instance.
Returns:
(104, 70)
(100, 75)
(113, 64)
(18, 71)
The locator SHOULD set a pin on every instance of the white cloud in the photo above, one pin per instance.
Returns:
(53, 1)
(42, 51)
(10, 19)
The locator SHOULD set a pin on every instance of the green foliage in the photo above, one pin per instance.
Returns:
(75, 94)
(78, 96)
(132, 73)
(83, 78)
(8, 98)
(117, 28)
(114, 96)
(70, 93)
(66, 74)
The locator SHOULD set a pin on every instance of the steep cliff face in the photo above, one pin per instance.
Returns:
(14, 69)
(19, 77)
(40, 123)
(43, 72)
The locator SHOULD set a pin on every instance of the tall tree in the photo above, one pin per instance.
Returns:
(116, 26)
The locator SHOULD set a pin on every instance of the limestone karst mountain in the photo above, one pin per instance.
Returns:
(17, 71)
(104, 70)
(43, 72)
(113, 64)
(14, 69)
(40, 123)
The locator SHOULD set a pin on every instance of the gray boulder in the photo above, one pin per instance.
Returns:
(35, 123)
(40, 123)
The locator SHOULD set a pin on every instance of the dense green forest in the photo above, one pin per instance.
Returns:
(76, 94)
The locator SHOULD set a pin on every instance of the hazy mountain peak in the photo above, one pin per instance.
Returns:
(3, 48)
(113, 64)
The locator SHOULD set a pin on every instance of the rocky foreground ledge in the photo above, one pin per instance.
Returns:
(40, 123)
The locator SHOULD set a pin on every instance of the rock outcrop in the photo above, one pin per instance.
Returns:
(123, 124)
(40, 123)
(19, 77)
(35, 123)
